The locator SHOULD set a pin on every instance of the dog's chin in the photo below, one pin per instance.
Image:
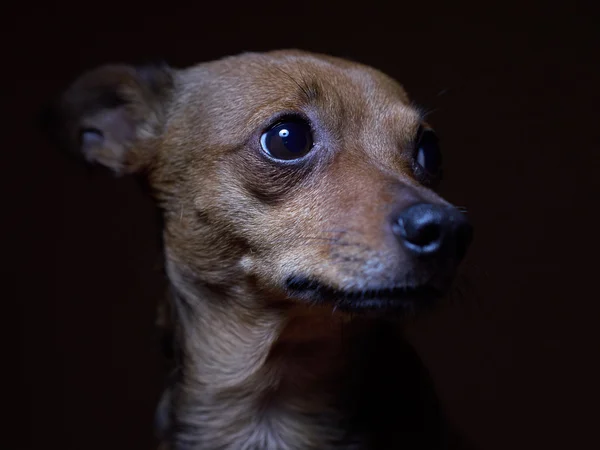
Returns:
(396, 299)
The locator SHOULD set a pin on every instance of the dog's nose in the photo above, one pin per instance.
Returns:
(429, 230)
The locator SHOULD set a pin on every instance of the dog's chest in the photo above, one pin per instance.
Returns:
(268, 420)
(292, 403)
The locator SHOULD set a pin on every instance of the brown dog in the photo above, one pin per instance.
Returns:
(297, 192)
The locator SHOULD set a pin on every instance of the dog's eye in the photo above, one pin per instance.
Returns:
(287, 140)
(428, 156)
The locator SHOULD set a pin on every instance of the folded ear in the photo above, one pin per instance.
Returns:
(113, 115)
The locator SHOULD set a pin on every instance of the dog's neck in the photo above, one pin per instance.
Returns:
(271, 376)
(286, 377)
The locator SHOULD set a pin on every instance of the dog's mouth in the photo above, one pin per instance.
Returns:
(396, 298)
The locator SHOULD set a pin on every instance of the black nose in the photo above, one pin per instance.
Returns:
(433, 230)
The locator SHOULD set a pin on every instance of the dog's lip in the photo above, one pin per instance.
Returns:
(393, 298)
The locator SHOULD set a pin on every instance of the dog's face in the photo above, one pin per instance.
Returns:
(304, 176)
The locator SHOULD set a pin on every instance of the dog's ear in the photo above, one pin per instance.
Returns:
(112, 115)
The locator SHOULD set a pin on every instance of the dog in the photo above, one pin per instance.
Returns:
(301, 229)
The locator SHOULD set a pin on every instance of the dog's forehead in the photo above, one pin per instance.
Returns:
(290, 79)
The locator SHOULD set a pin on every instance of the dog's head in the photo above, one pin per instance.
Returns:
(306, 177)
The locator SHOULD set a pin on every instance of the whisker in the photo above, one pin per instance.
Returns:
(302, 88)
(308, 238)
(311, 241)
(319, 238)
(424, 112)
(307, 89)
(340, 231)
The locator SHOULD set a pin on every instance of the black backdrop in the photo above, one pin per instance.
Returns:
(514, 97)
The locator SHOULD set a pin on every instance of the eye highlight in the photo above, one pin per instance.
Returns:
(287, 140)
(427, 156)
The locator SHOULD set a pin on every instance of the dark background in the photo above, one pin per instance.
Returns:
(514, 96)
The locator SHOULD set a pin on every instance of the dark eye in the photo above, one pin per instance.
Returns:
(287, 140)
(428, 157)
